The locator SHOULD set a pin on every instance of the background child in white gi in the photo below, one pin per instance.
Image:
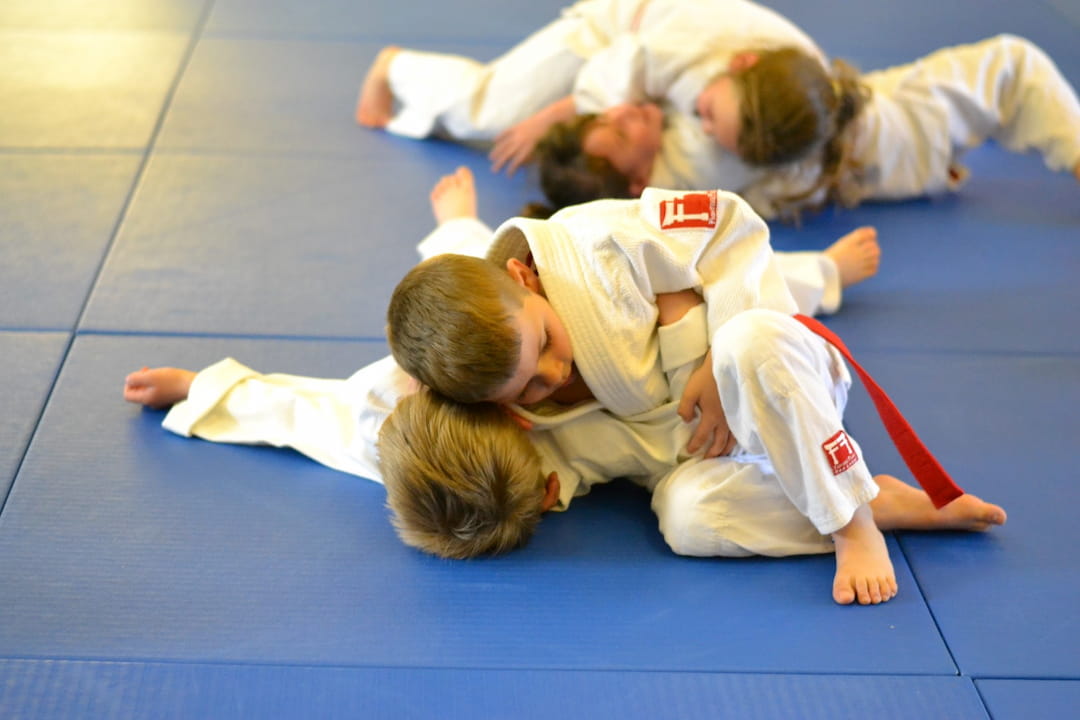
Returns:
(893, 134)
(579, 64)
(746, 102)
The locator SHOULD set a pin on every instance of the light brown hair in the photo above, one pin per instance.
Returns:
(449, 326)
(791, 107)
(462, 480)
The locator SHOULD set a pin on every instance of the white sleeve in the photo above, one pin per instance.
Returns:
(334, 422)
(814, 281)
(461, 236)
(922, 115)
(614, 75)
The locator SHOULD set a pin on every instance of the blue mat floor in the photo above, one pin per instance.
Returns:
(182, 180)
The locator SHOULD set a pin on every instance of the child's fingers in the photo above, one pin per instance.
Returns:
(687, 407)
(720, 444)
(136, 394)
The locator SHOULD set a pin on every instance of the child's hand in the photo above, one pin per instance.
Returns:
(514, 146)
(158, 387)
(702, 396)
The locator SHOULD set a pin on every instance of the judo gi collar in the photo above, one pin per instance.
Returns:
(575, 285)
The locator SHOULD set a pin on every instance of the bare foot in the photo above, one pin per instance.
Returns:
(864, 572)
(454, 196)
(900, 506)
(376, 104)
(856, 255)
(158, 387)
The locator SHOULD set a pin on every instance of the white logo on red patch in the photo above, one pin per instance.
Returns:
(840, 451)
(693, 210)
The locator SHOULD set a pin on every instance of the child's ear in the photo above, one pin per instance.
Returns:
(523, 275)
(551, 492)
(743, 61)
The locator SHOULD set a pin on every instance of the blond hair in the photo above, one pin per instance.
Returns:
(791, 107)
(449, 326)
(461, 480)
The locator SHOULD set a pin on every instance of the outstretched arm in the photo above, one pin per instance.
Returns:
(158, 387)
(514, 146)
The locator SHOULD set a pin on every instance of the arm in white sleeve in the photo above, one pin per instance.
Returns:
(813, 279)
(334, 422)
(461, 236)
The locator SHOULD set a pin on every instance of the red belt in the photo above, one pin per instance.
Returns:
(923, 465)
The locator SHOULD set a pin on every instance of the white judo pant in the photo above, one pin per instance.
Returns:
(789, 484)
(442, 94)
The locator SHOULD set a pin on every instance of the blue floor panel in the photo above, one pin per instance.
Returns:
(57, 216)
(243, 94)
(1030, 699)
(211, 242)
(113, 690)
(480, 21)
(26, 376)
(990, 270)
(85, 89)
(1005, 427)
(881, 34)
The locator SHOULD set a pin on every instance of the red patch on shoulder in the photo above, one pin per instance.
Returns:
(693, 210)
(840, 452)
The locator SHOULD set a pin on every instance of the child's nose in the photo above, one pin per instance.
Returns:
(552, 373)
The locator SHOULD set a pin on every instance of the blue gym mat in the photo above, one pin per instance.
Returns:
(183, 180)
(26, 377)
(58, 214)
(1030, 699)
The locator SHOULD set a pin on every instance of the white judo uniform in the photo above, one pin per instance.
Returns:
(922, 116)
(908, 140)
(603, 53)
(729, 506)
(783, 389)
